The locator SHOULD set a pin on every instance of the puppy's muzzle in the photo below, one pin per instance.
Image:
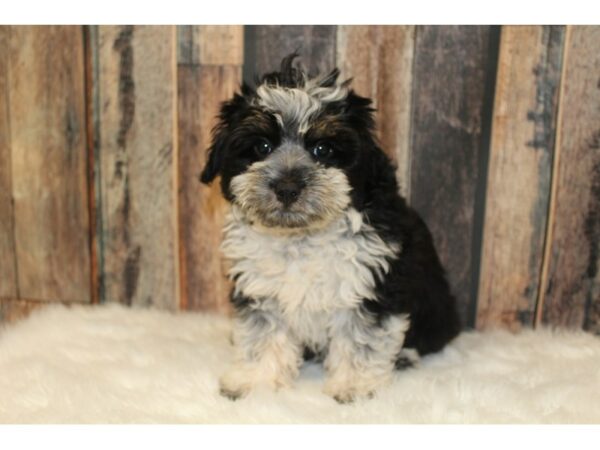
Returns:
(287, 189)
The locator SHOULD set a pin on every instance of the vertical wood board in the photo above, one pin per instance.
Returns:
(209, 75)
(201, 89)
(453, 69)
(218, 45)
(518, 189)
(8, 261)
(48, 148)
(136, 117)
(571, 280)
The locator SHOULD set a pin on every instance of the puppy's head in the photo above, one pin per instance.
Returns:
(290, 152)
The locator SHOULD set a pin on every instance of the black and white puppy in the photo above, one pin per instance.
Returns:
(326, 257)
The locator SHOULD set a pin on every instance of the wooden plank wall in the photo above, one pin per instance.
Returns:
(454, 70)
(135, 118)
(571, 280)
(8, 261)
(518, 188)
(49, 182)
(493, 131)
(44, 236)
(207, 76)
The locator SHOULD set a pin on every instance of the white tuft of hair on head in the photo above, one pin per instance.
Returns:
(298, 105)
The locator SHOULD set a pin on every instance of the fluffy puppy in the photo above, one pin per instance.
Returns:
(327, 258)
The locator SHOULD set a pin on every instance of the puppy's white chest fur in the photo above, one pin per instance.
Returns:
(307, 278)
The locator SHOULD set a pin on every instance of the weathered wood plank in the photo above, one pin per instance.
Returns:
(207, 76)
(202, 208)
(210, 44)
(518, 191)
(90, 33)
(48, 142)
(571, 281)
(135, 114)
(454, 68)
(271, 43)
(8, 275)
(379, 59)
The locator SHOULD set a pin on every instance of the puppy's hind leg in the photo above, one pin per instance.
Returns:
(407, 358)
(265, 354)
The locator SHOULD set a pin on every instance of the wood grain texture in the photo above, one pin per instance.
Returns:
(90, 37)
(136, 114)
(518, 190)
(205, 81)
(210, 44)
(571, 282)
(269, 44)
(453, 67)
(47, 121)
(202, 208)
(379, 59)
(8, 261)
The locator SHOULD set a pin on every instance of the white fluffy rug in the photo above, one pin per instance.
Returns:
(110, 364)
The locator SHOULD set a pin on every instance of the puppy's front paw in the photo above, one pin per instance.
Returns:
(350, 395)
(345, 393)
(344, 398)
(231, 395)
(233, 386)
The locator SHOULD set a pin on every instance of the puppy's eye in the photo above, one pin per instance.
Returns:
(263, 148)
(322, 151)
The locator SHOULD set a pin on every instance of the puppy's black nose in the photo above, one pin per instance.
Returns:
(287, 190)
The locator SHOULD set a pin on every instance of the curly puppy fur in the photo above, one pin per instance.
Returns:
(327, 258)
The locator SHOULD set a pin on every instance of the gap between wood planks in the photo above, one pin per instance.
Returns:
(543, 280)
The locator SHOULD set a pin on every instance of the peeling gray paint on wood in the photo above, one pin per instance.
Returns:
(518, 187)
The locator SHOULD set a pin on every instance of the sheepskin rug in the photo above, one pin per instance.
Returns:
(111, 364)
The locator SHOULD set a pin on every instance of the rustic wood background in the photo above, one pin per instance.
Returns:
(103, 130)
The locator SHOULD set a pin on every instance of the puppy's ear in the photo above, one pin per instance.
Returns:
(218, 148)
(214, 162)
(359, 111)
(211, 169)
